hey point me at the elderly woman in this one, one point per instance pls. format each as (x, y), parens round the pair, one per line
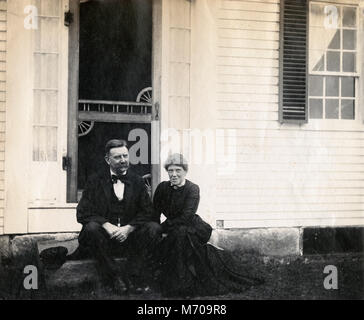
(190, 266)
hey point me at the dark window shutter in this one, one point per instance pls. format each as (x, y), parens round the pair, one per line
(293, 61)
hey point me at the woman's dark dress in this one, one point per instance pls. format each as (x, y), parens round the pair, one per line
(190, 266)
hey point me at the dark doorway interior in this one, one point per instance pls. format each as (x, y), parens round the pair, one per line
(115, 49)
(115, 65)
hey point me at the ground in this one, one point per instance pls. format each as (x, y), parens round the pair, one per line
(285, 278)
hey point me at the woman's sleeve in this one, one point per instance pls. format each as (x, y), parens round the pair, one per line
(189, 207)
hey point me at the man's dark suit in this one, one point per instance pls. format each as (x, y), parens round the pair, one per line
(99, 205)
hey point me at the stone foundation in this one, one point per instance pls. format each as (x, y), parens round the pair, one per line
(262, 241)
(268, 242)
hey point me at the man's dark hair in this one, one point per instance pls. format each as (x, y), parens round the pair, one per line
(115, 143)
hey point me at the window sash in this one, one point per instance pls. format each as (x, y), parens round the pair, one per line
(339, 74)
(341, 6)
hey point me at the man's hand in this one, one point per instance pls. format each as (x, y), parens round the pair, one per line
(118, 233)
(110, 228)
(122, 233)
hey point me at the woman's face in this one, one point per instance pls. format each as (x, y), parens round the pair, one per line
(176, 175)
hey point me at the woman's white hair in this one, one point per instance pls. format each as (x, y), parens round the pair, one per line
(176, 159)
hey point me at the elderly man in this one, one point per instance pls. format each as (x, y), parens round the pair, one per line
(117, 216)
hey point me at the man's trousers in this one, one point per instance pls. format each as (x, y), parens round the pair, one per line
(138, 248)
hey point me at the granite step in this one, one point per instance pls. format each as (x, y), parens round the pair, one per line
(75, 274)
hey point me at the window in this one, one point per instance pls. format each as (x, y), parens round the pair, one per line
(332, 61)
(319, 74)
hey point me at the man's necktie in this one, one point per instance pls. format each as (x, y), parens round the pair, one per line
(115, 178)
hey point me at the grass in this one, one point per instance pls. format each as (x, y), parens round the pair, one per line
(285, 278)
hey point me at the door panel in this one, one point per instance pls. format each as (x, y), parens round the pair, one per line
(49, 111)
(114, 66)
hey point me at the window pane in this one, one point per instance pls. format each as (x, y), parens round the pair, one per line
(46, 76)
(46, 37)
(332, 108)
(317, 15)
(347, 87)
(44, 144)
(45, 107)
(349, 39)
(316, 111)
(347, 109)
(333, 61)
(335, 42)
(349, 17)
(332, 86)
(320, 65)
(47, 7)
(349, 62)
(316, 86)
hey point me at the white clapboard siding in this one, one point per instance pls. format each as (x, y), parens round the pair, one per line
(243, 89)
(223, 106)
(299, 159)
(255, 1)
(296, 222)
(247, 43)
(246, 6)
(254, 194)
(3, 37)
(277, 209)
(295, 150)
(310, 213)
(253, 79)
(272, 125)
(247, 15)
(250, 115)
(247, 53)
(248, 34)
(292, 142)
(251, 70)
(246, 62)
(291, 133)
(269, 174)
(247, 25)
(298, 199)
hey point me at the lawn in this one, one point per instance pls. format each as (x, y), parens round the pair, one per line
(285, 278)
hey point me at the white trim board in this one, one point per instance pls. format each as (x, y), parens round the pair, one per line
(52, 220)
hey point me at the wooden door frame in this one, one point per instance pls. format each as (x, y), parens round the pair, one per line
(73, 85)
(73, 98)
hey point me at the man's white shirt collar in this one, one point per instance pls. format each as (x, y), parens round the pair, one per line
(118, 186)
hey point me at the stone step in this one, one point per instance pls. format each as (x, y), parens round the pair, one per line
(75, 274)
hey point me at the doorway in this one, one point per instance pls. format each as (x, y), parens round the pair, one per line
(114, 85)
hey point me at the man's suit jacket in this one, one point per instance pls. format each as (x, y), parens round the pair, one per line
(97, 198)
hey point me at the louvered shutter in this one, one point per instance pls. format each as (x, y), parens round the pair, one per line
(293, 61)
